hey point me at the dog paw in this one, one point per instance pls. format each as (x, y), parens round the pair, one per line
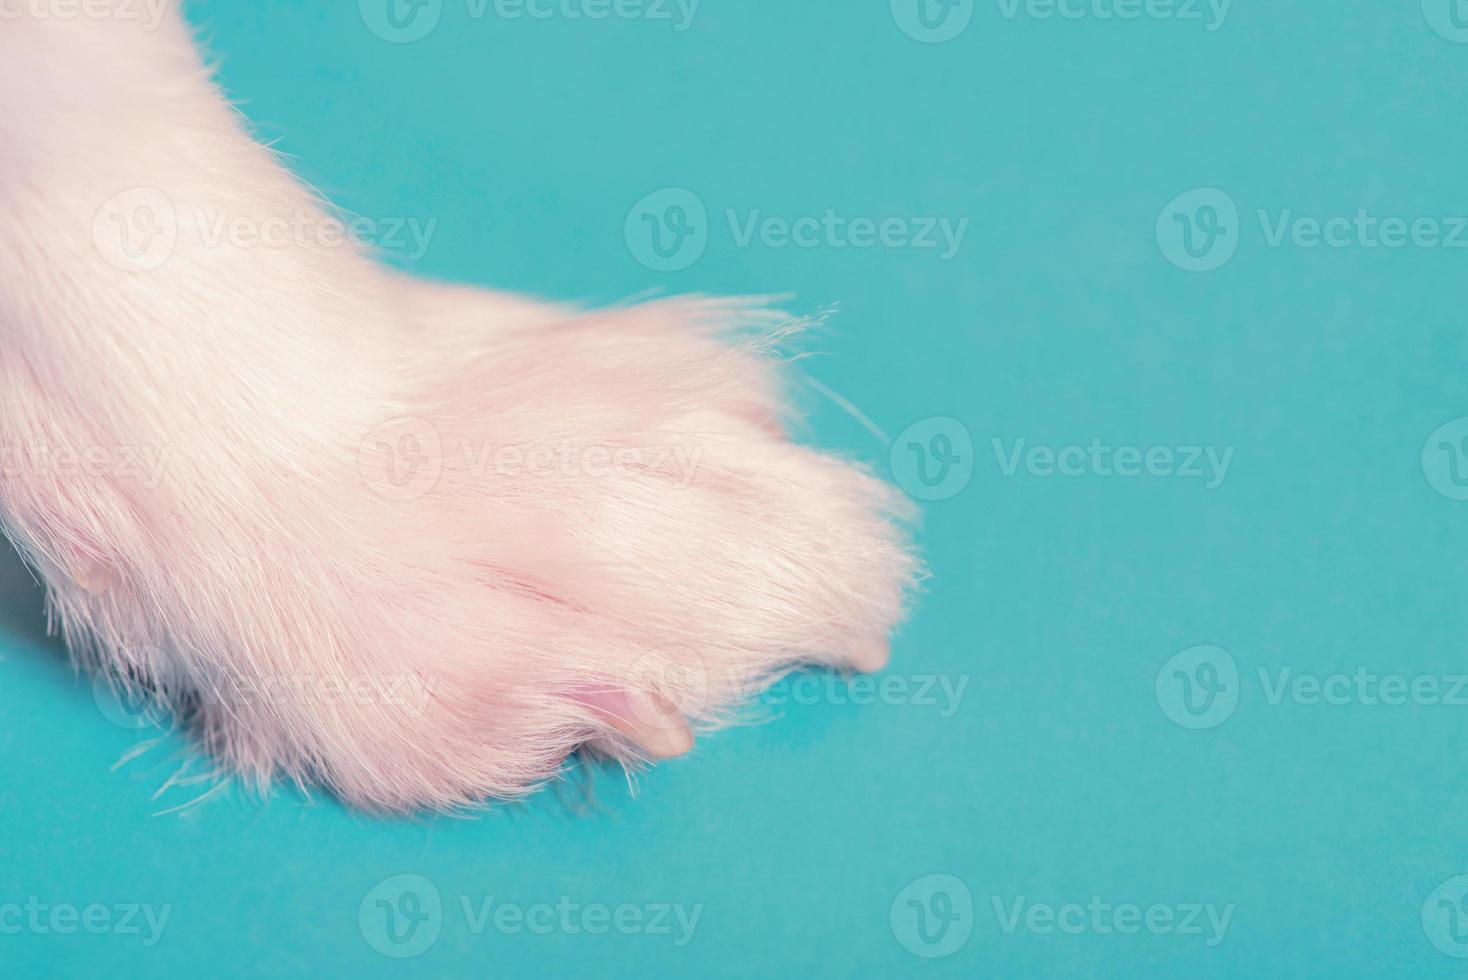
(590, 531)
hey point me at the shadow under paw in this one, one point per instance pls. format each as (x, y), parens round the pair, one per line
(22, 601)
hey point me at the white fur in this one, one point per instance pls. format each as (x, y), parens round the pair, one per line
(315, 603)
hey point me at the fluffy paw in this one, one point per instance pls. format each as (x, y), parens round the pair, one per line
(589, 531)
(624, 546)
(415, 543)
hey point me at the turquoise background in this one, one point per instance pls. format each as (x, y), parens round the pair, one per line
(1059, 599)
